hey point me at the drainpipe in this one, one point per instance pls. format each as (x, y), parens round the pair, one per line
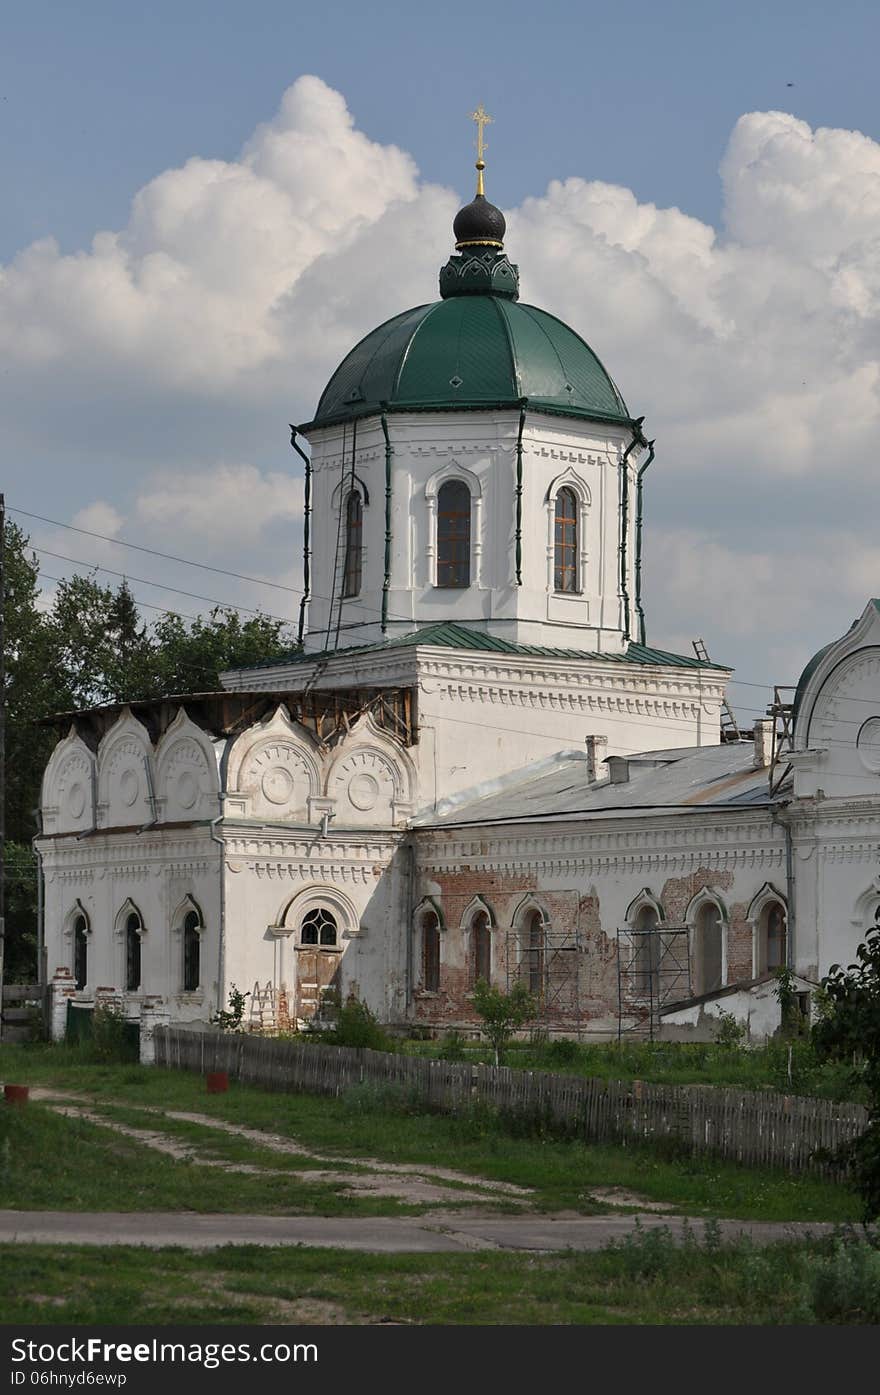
(151, 823)
(637, 440)
(41, 928)
(790, 922)
(386, 583)
(639, 611)
(518, 534)
(221, 949)
(307, 511)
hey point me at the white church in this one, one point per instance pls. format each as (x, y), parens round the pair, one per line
(474, 766)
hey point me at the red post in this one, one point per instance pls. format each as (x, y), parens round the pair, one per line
(217, 1082)
(15, 1094)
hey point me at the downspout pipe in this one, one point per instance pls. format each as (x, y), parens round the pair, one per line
(221, 947)
(41, 914)
(386, 582)
(639, 610)
(307, 556)
(519, 489)
(790, 894)
(637, 440)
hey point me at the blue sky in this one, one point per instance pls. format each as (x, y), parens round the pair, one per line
(695, 187)
(97, 97)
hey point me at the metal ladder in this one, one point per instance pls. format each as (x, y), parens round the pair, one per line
(729, 728)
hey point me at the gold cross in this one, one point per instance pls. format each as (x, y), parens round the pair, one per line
(482, 119)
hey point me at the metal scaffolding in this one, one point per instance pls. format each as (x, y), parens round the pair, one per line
(653, 971)
(550, 969)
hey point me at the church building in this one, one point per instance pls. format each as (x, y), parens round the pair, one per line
(474, 766)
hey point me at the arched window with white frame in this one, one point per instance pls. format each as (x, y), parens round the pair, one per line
(80, 931)
(192, 928)
(481, 947)
(707, 948)
(566, 562)
(454, 535)
(132, 931)
(646, 959)
(319, 928)
(354, 529)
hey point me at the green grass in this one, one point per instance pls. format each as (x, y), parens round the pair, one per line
(51, 1163)
(65, 1169)
(763, 1067)
(647, 1280)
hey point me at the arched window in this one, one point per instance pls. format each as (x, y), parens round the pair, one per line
(707, 967)
(773, 938)
(192, 948)
(431, 952)
(481, 947)
(80, 951)
(454, 534)
(565, 542)
(133, 929)
(536, 939)
(318, 928)
(646, 960)
(354, 520)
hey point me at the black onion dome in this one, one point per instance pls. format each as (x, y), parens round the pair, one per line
(479, 222)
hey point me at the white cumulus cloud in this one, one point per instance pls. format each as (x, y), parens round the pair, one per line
(177, 347)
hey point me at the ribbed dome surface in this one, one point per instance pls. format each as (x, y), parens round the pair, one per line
(471, 352)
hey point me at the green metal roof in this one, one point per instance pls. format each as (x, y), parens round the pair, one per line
(469, 352)
(452, 636)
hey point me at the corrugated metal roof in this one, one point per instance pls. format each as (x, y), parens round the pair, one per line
(704, 776)
(448, 635)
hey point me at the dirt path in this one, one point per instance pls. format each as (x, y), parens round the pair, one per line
(413, 1185)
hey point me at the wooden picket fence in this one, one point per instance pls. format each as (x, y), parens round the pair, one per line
(759, 1128)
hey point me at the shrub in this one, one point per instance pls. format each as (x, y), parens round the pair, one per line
(231, 1020)
(729, 1033)
(452, 1047)
(845, 1286)
(356, 1025)
(110, 1040)
(562, 1052)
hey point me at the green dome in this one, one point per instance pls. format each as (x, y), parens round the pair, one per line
(471, 351)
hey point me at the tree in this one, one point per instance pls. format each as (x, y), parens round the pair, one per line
(849, 1030)
(502, 1013)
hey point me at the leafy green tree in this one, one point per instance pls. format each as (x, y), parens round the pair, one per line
(190, 658)
(849, 1030)
(502, 1013)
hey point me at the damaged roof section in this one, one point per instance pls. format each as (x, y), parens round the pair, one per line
(683, 778)
(328, 714)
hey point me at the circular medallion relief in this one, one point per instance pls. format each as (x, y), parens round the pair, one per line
(129, 787)
(76, 800)
(363, 791)
(277, 785)
(187, 789)
(868, 744)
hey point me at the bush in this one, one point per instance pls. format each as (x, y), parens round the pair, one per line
(846, 1286)
(562, 1052)
(356, 1025)
(111, 1040)
(730, 1034)
(452, 1047)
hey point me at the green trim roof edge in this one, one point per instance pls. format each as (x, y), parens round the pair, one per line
(501, 404)
(448, 635)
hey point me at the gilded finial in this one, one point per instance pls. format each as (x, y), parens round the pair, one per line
(482, 119)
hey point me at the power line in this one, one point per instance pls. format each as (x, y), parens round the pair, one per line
(162, 585)
(166, 556)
